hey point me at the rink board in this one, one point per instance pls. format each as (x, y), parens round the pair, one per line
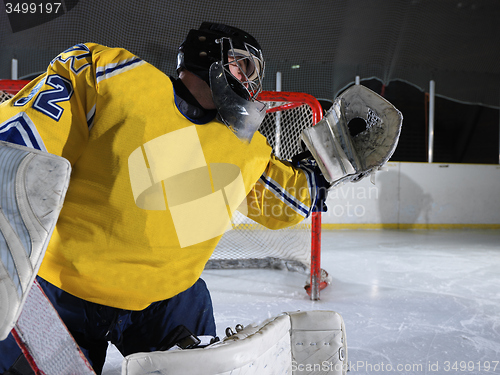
(419, 195)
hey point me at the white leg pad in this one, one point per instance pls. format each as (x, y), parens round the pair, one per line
(33, 185)
(318, 342)
(311, 342)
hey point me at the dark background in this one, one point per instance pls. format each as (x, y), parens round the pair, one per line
(396, 47)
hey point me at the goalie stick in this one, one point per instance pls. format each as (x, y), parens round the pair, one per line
(33, 185)
(45, 340)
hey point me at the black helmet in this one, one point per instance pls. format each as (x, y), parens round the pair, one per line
(209, 52)
(215, 42)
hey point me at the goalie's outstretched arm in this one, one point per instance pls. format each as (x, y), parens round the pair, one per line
(285, 195)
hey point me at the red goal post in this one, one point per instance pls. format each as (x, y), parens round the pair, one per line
(11, 86)
(283, 102)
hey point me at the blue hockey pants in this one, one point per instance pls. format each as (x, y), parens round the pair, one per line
(93, 325)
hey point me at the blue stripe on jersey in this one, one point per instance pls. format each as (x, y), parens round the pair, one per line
(78, 52)
(313, 186)
(111, 70)
(90, 118)
(283, 195)
(22, 131)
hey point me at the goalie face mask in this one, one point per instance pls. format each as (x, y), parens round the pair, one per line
(230, 61)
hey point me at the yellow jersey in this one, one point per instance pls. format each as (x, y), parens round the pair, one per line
(120, 239)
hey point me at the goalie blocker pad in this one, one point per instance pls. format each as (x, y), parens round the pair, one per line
(33, 185)
(291, 343)
(346, 154)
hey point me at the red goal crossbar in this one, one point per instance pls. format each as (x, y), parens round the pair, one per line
(11, 86)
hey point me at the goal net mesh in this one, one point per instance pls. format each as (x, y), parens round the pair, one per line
(251, 245)
(4, 96)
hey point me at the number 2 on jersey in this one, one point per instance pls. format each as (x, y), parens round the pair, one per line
(47, 100)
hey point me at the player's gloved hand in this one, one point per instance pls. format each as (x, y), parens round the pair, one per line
(318, 184)
(322, 193)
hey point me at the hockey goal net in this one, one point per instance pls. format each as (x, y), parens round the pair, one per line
(251, 245)
(297, 248)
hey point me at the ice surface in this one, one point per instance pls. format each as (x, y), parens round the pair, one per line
(413, 302)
